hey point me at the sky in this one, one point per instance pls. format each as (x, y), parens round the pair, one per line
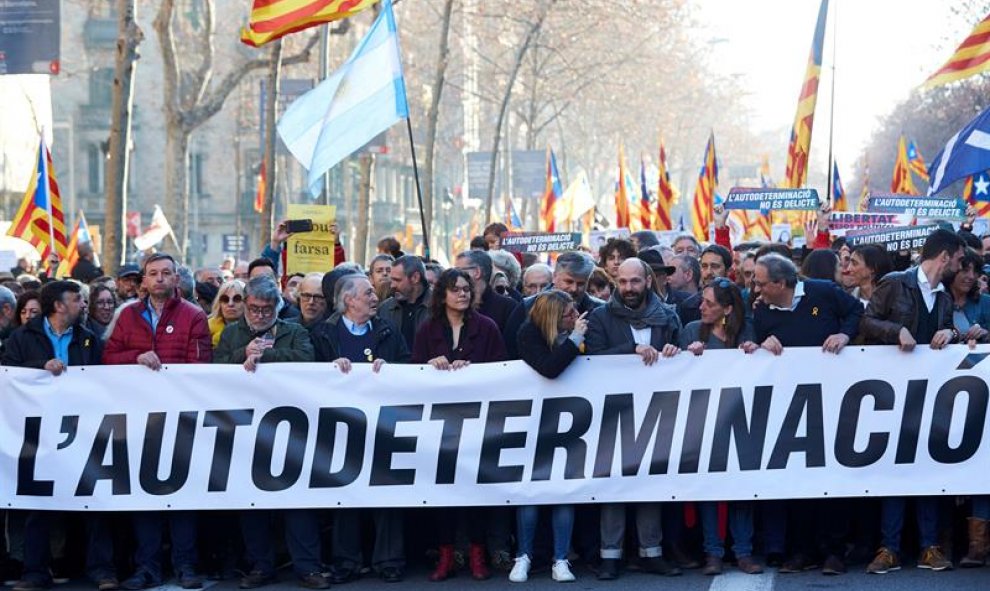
(884, 49)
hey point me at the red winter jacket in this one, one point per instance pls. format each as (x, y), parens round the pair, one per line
(182, 336)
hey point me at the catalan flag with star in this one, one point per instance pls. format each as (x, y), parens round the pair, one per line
(704, 193)
(976, 192)
(796, 171)
(273, 19)
(552, 193)
(970, 58)
(40, 219)
(901, 181)
(915, 162)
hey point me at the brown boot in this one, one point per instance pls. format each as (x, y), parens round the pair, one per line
(446, 566)
(977, 555)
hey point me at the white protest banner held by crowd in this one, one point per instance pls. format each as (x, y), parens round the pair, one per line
(723, 426)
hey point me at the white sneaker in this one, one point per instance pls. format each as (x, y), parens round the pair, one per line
(520, 570)
(562, 571)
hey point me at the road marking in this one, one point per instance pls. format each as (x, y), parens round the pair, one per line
(734, 580)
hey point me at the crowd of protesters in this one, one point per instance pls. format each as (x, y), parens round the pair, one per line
(633, 297)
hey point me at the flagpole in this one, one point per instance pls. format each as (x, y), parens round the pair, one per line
(48, 199)
(419, 191)
(831, 106)
(324, 74)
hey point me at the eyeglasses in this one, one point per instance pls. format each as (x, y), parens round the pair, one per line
(104, 303)
(304, 297)
(261, 310)
(570, 313)
(455, 289)
(226, 299)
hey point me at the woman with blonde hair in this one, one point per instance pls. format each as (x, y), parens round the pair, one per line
(549, 341)
(228, 307)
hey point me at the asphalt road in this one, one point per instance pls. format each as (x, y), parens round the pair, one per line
(907, 578)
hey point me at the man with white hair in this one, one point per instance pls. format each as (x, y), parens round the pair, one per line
(355, 334)
(537, 278)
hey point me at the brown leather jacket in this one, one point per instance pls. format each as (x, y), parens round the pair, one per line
(894, 305)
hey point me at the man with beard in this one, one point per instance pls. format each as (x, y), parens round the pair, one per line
(262, 337)
(409, 306)
(355, 334)
(53, 341)
(633, 321)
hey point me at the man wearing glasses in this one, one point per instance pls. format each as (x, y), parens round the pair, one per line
(312, 302)
(162, 328)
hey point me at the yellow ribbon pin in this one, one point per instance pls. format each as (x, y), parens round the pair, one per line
(814, 311)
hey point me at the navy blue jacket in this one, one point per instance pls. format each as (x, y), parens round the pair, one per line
(823, 311)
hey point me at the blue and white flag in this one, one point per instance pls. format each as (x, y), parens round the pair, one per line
(366, 96)
(966, 153)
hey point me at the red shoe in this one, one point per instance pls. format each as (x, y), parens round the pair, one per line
(446, 567)
(478, 563)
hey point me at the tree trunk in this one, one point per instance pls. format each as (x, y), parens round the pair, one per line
(129, 36)
(271, 172)
(176, 185)
(432, 120)
(531, 34)
(367, 162)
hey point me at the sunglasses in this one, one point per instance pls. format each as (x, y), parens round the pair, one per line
(501, 289)
(225, 299)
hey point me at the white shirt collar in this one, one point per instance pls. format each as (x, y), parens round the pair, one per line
(924, 284)
(354, 328)
(795, 299)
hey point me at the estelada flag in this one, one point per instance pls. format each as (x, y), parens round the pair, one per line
(901, 181)
(40, 218)
(971, 57)
(796, 172)
(704, 193)
(665, 194)
(273, 19)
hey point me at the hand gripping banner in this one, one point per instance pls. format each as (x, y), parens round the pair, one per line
(870, 421)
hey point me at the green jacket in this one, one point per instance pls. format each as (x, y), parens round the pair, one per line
(291, 344)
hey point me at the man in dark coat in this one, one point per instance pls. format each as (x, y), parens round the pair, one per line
(54, 341)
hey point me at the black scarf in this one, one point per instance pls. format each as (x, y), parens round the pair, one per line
(650, 314)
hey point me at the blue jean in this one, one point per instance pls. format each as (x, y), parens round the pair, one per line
(562, 520)
(740, 524)
(981, 507)
(892, 521)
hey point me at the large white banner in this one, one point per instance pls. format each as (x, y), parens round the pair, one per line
(866, 422)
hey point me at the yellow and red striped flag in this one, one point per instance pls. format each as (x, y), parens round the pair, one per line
(273, 19)
(259, 190)
(796, 172)
(40, 219)
(552, 193)
(864, 194)
(901, 181)
(80, 234)
(622, 219)
(971, 57)
(976, 192)
(764, 220)
(665, 194)
(916, 162)
(704, 193)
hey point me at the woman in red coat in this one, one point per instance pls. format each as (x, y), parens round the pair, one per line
(455, 336)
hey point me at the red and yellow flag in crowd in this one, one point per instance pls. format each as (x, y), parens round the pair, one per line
(971, 57)
(839, 201)
(864, 194)
(259, 190)
(662, 219)
(704, 193)
(622, 218)
(916, 162)
(80, 234)
(796, 172)
(273, 19)
(901, 181)
(552, 193)
(40, 219)
(976, 192)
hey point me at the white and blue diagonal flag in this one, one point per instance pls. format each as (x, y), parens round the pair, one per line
(965, 154)
(366, 96)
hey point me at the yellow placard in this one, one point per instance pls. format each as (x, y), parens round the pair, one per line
(311, 251)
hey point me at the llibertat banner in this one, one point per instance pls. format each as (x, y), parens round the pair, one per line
(870, 421)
